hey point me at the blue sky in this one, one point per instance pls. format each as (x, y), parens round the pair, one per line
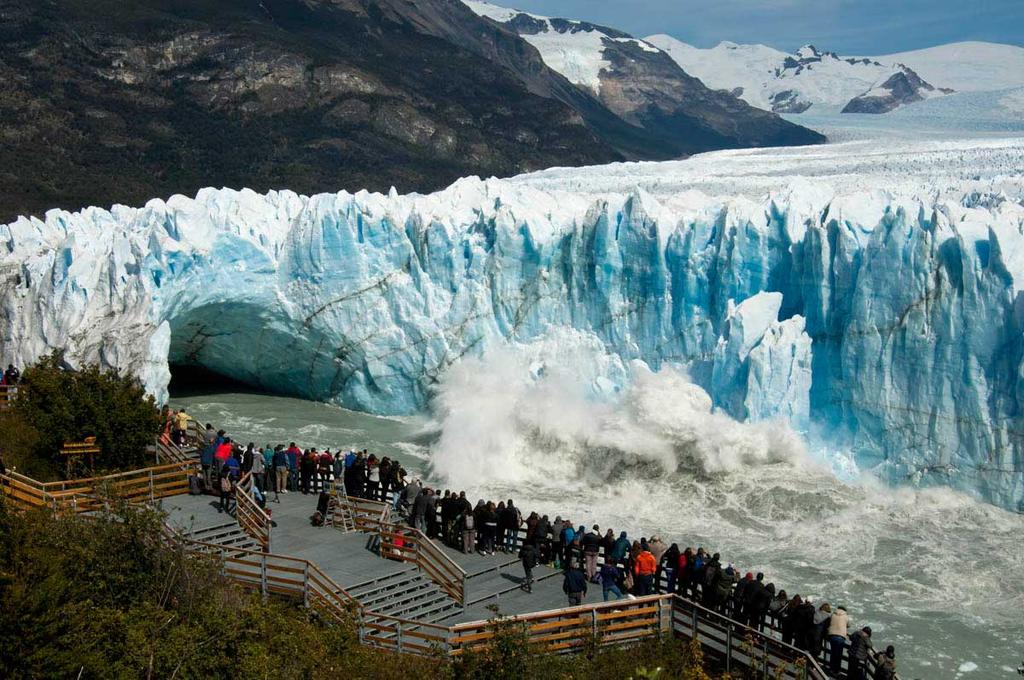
(845, 26)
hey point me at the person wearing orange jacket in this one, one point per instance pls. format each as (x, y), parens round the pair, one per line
(644, 568)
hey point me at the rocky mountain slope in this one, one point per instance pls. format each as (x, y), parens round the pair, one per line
(793, 83)
(107, 101)
(112, 102)
(642, 85)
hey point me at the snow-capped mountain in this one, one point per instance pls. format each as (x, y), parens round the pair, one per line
(793, 83)
(966, 66)
(643, 86)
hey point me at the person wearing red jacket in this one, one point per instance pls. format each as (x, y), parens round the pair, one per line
(644, 568)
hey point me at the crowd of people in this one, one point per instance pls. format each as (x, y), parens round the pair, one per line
(619, 566)
(10, 377)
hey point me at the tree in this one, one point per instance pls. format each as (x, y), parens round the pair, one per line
(61, 404)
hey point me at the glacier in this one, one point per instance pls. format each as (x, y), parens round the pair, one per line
(869, 296)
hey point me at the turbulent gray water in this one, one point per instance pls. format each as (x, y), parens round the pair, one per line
(935, 573)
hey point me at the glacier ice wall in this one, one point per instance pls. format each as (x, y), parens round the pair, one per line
(891, 320)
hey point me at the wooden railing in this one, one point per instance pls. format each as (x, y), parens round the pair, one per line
(85, 494)
(403, 635)
(367, 515)
(7, 395)
(279, 575)
(408, 544)
(250, 516)
(563, 630)
(732, 644)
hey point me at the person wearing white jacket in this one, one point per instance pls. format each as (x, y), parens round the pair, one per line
(837, 639)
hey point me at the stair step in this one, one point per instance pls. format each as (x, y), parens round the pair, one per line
(387, 583)
(421, 606)
(401, 598)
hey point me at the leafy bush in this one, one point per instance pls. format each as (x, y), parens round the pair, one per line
(55, 404)
(105, 597)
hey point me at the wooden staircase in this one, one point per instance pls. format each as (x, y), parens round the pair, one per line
(228, 535)
(408, 594)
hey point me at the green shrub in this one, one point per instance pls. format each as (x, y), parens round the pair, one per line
(55, 404)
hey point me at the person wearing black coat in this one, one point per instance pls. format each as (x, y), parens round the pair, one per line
(759, 597)
(803, 625)
(712, 573)
(528, 556)
(574, 585)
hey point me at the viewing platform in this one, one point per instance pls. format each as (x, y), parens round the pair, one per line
(402, 590)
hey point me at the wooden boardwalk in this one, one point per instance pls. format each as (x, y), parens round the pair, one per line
(419, 597)
(350, 558)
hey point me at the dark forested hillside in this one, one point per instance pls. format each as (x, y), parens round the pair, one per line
(110, 101)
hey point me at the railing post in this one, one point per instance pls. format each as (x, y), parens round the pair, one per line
(764, 659)
(305, 584)
(463, 599)
(263, 575)
(593, 622)
(398, 635)
(728, 650)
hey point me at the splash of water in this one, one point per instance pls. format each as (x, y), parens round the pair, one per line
(562, 408)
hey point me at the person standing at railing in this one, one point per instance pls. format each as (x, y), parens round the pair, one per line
(509, 522)
(885, 664)
(591, 544)
(325, 466)
(307, 469)
(384, 474)
(258, 469)
(372, 477)
(644, 569)
(209, 444)
(281, 471)
(293, 454)
(181, 420)
(269, 473)
(227, 486)
(837, 639)
(12, 376)
(860, 650)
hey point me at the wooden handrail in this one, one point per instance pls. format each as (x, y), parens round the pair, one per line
(250, 516)
(431, 560)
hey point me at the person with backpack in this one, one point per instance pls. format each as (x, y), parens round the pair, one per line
(257, 469)
(227, 486)
(468, 530)
(885, 664)
(610, 580)
(723, 588)
(860, 651)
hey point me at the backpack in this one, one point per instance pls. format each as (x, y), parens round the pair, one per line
(194, 486)
(225, 484)
(710, 573)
